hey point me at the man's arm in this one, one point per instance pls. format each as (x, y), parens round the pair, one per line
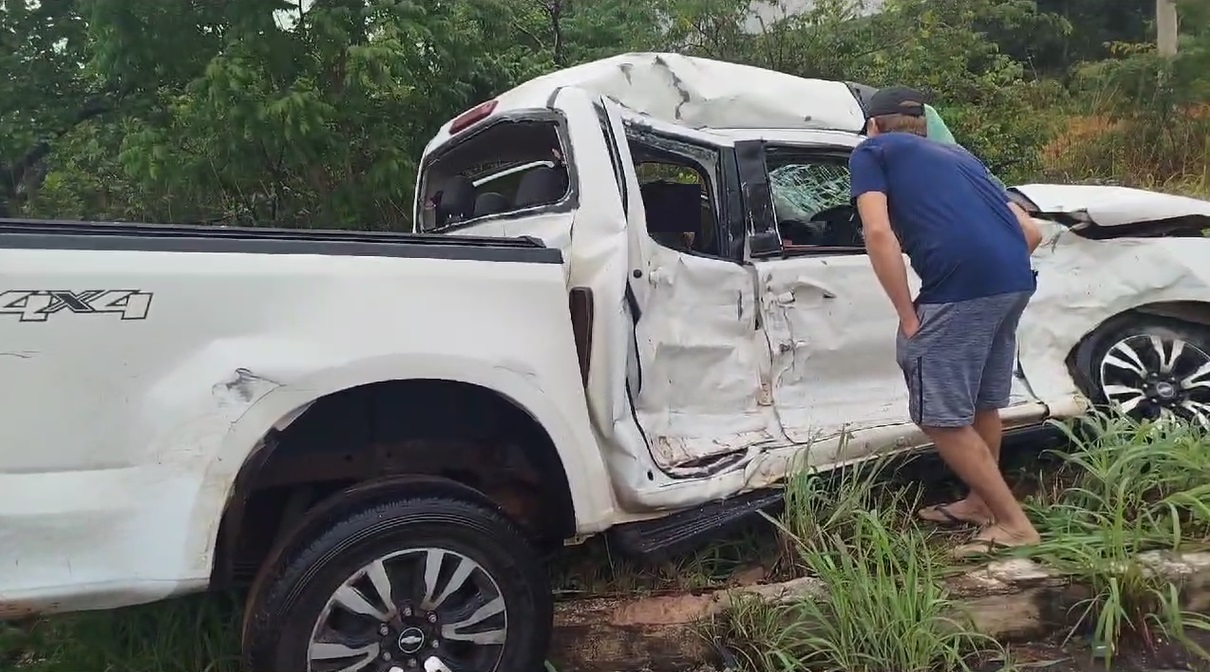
(885, 254)
(869, 188)
(1033, 236)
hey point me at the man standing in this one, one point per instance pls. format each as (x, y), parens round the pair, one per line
(957, 340)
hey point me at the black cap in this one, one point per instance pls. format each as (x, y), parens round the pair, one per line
(896, 100)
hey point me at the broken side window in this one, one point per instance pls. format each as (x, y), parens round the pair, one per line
(811, 200)
(510, 166)
(679, 188)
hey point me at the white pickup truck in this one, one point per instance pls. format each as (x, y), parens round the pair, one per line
(636, 298)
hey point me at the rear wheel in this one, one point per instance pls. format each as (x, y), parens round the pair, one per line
(1152, 368)
(417, 584)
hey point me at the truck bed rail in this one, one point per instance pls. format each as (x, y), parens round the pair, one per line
(77, 235)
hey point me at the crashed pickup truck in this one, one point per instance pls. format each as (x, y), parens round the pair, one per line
(635, 299)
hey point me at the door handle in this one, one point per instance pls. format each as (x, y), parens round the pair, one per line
(823, 289)
(787, 298)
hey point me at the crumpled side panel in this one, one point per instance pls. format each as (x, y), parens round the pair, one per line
(701, 360)
(1082, 283)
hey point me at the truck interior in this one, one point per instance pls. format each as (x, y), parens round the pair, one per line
(512, 165)
(811, 201)
(678, 202)
(680, 189)
(517, 165)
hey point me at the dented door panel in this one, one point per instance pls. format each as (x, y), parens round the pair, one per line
(832, 340)
(831, 327)
(698, 358)
(701, 357)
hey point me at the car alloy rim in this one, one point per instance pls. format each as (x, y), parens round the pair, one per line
(1154, 377)
(421, 608)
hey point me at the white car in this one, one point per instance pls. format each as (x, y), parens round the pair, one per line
(645, 302)
(774, 304)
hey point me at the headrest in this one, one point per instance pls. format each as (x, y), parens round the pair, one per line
(490, 203)
(541, 186)
(455, 201)
(672, 207)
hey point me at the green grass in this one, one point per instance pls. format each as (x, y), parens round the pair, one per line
(196, 634)
(1125, 489)
(1130, 487)
(858, 537)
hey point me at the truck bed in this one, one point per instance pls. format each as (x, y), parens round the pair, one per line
(76, 235)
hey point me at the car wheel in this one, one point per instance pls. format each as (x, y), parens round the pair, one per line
(1152, 368)
(416, 584)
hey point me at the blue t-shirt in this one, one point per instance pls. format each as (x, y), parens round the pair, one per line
(951, 219)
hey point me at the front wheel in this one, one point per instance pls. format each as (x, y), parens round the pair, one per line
(1153, 368)
(418, 584)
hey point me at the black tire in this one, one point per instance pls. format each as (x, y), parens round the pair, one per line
(297, 591)
(1135, 331)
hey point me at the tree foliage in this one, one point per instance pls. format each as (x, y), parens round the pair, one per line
(315, 112)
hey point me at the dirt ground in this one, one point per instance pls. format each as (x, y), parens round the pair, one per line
(1077, 657)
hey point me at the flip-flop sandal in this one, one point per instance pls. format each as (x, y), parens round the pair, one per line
(986, 548)
(947, 517)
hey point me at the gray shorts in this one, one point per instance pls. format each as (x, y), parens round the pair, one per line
(963, 358)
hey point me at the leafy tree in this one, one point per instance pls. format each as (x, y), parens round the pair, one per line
(46, 92)
(315, 112)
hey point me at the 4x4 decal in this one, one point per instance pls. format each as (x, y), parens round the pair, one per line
(39, 304)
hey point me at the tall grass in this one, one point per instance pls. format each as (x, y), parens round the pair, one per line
(1123, 488)
(886, 608)
(1131, 487)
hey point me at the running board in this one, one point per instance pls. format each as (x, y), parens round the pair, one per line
(686, 531)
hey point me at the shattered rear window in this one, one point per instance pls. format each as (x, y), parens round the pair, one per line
(802, 190)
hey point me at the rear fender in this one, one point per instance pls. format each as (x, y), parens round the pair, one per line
(562, 413)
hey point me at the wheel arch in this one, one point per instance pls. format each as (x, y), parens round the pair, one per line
(567, 469)
(1079, 359)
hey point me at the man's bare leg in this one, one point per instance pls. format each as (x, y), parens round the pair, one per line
(964, 451)
(972, 508)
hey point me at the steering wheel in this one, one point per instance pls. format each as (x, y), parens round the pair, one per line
(839, 214)
(842, 224)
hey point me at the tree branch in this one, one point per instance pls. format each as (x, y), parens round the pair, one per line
(13, 174)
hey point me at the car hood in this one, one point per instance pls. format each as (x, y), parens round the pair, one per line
(705, 93)
(1098, 211)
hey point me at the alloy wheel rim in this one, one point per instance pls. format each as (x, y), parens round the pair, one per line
(1156, 377)
(415, 609)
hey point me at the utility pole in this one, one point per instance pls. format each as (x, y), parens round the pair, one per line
(1165, 27)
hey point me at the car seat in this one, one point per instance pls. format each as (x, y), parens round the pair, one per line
(541, 186)
(672, 209)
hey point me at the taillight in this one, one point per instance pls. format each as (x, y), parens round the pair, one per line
(472, 116)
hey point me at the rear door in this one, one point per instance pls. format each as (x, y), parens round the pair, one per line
(696, 361)
(675, 369)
